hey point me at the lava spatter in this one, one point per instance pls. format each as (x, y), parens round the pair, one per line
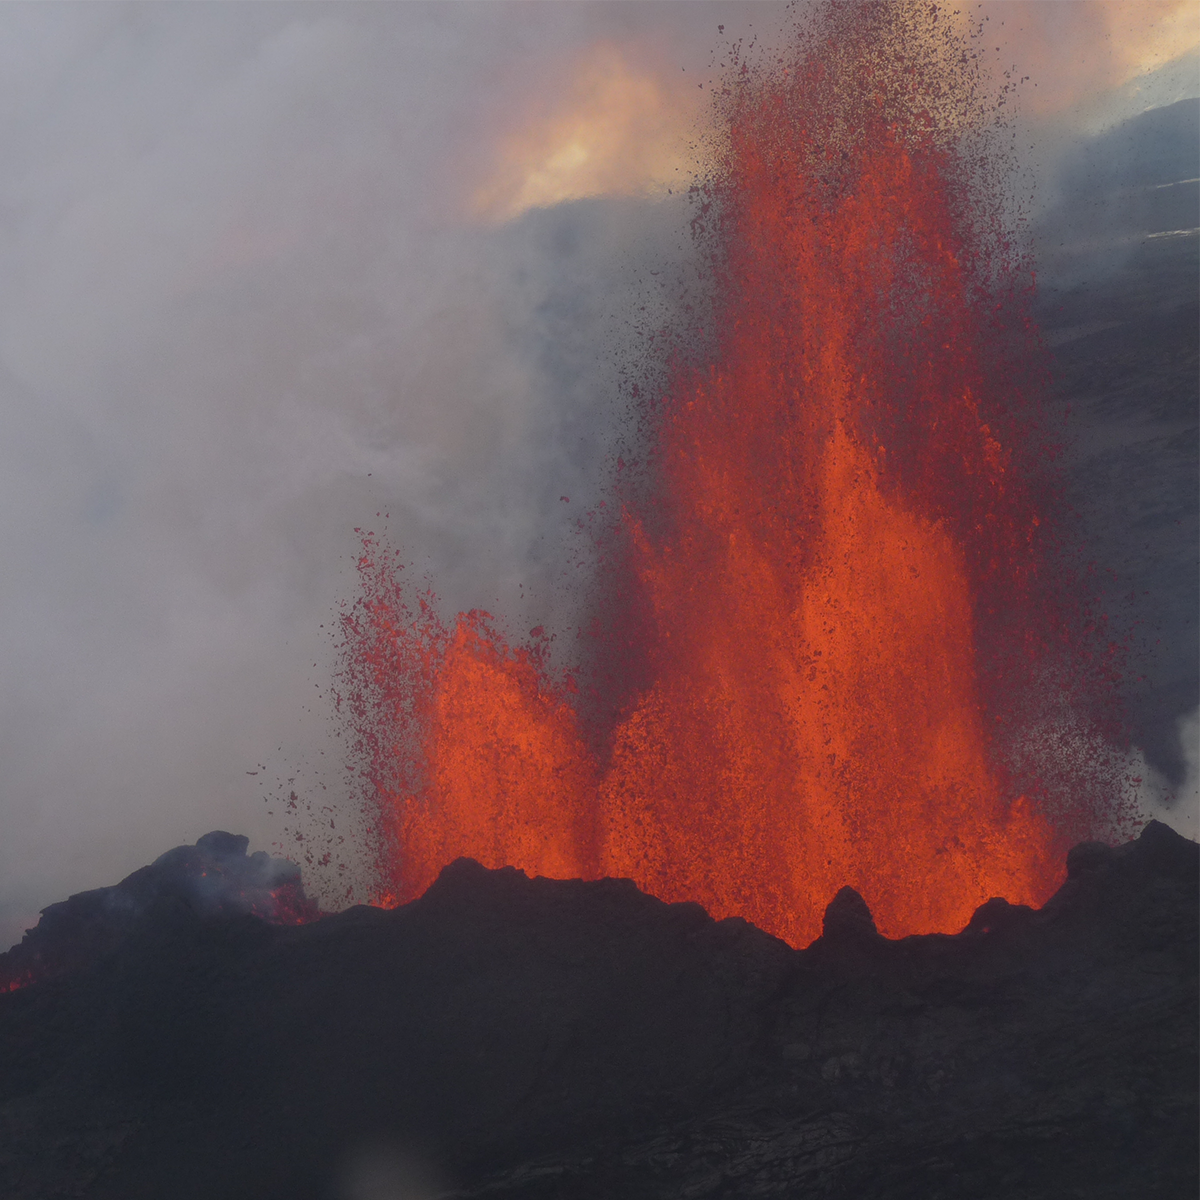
(840, 554)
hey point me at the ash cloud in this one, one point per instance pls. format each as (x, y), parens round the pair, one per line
(244, 309)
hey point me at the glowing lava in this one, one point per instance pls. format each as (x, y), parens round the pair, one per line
(836, 566)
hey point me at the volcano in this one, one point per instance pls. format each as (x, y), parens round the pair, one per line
(789, 882)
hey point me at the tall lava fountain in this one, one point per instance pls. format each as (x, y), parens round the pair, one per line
(833, 574)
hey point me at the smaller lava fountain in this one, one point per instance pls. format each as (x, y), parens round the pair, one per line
(836, 574)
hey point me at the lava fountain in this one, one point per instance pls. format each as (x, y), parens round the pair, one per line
(836, 573)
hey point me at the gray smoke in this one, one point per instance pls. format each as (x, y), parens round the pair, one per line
(240, 315)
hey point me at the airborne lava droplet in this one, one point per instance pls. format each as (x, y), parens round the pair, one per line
(836, 580)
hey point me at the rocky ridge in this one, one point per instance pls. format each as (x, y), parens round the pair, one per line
(526, 1038)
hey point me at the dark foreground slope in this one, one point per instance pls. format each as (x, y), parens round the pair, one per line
(507, 1037)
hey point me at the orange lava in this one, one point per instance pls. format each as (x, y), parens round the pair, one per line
(836, 505)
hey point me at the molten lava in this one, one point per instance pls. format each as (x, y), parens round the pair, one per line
(834, 576)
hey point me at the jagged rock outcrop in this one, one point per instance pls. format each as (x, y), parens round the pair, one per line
(215, 877)
(517, 1038)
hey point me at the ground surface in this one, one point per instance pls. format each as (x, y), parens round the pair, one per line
(525, 1038)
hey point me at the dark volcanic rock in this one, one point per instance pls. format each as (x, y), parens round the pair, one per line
(848, 919)
(215, 877)
(531, 1038)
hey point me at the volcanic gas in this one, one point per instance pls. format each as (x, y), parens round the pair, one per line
(838, 573)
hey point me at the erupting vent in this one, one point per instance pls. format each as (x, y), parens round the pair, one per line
(832, 575)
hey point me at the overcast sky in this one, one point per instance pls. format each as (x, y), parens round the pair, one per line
(269, 270)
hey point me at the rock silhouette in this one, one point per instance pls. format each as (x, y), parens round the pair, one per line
(215, 877)
(512, 1037)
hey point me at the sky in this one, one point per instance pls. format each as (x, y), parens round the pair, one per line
(272, 270)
